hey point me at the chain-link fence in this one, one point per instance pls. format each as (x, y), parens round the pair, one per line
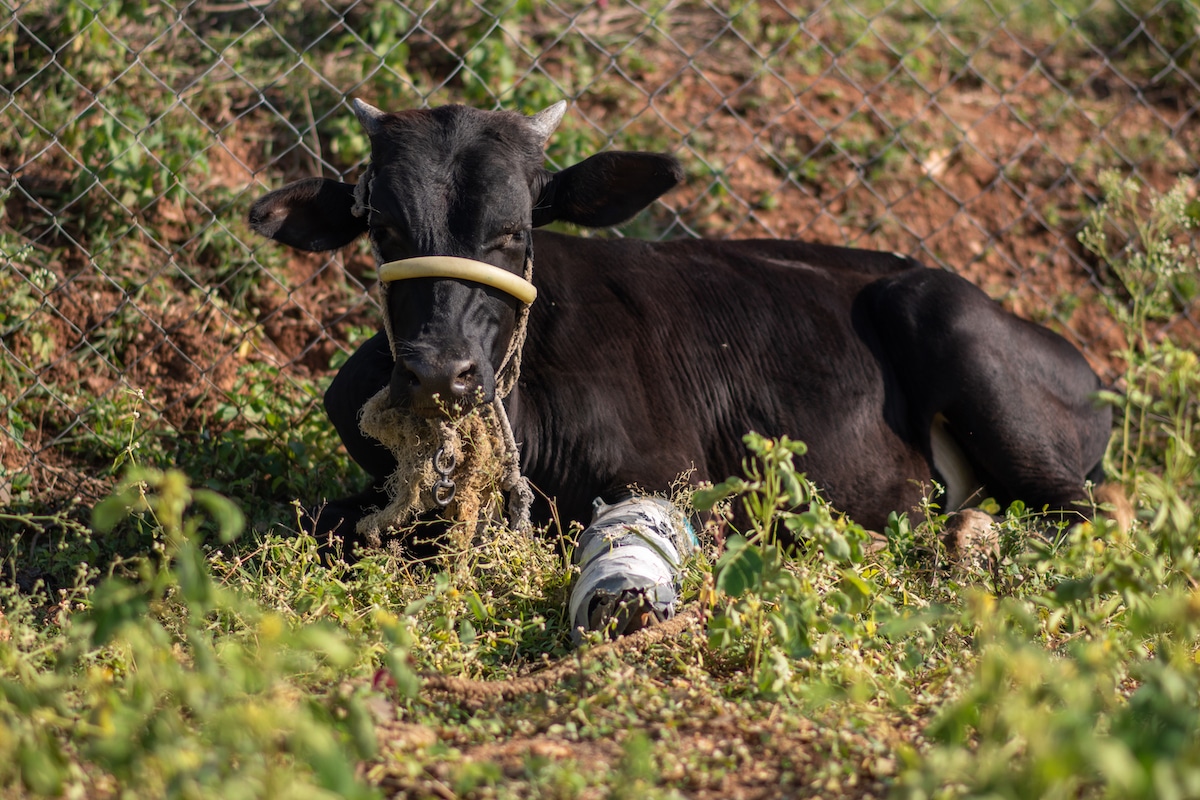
(140, 319)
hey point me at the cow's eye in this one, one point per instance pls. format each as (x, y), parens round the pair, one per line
(508, 239)
(387, 236)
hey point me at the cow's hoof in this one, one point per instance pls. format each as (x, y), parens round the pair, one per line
(630, 559)
(334, 524)
(971, 539)
(624, 613)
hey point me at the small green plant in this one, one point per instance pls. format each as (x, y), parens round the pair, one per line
(1112, 714)
(1145, 245)
(25, 331)
(1144, 242)
(793, 584)
(167, 684)
(157, 659)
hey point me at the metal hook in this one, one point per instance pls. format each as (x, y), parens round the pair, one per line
(449, 459)
(443, 492)
(444, 464)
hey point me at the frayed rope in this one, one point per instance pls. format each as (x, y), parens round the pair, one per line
(478, 693)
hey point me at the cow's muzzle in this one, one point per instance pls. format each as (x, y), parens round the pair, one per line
(436, 386)
(443, 388)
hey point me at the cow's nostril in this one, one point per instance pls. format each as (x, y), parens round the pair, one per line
(466, 380)
(440, 387)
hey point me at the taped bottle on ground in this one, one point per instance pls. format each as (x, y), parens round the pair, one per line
(629, 560)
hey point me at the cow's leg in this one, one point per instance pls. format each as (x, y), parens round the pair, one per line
(362, 376)
(1017, 399)
(1029, 438)
(366, 372)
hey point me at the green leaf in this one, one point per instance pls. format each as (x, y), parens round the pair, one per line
(837, 549)
(362, 729)
(793, 487)
(114, 508)
(477, 606)
(417, 606)
(329, 642)
(466, 632)
(42, 766)
(408, 683)
(1113, 760)
(1075, 590)
(723, 630)
(330, 763)
(706, 499)
(229, 518)
(18, 696)
(857, 590)
(638, 759)
(740, 567)
(191, 569)
(114, 604)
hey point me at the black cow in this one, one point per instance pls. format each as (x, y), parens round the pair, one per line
(645, 359)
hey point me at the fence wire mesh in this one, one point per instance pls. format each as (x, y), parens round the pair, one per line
(142, 321)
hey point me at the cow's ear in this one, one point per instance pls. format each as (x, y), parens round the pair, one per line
(313, 214)
(606, 189)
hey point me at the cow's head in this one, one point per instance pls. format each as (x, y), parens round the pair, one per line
(457, 181)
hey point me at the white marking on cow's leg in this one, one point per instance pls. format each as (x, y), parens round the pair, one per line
(962, 485)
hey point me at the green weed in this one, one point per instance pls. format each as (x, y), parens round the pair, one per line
(145, 653)
(111, 706)
(1145, 246)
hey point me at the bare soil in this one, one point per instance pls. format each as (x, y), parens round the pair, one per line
(973, 170)
(987, 169)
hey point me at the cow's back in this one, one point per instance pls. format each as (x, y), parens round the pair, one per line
(646, 359)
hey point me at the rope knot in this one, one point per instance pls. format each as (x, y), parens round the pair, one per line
(362, 192)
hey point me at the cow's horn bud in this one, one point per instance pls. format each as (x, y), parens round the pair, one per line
(370, 117)
(544, 122)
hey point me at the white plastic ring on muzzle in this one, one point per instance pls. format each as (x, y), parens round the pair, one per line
(465, 269)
